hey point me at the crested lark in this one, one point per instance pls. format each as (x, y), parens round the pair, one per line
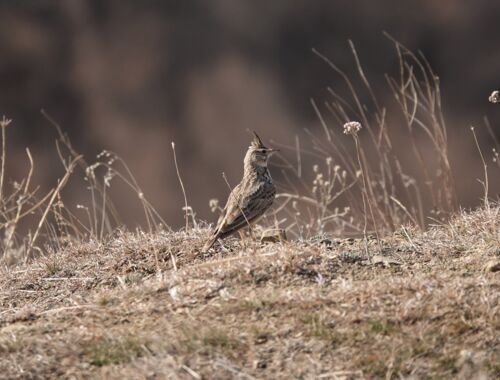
(250, 198)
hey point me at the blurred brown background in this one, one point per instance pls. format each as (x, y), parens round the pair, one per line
(132, 76)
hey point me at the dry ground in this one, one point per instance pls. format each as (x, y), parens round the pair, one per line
(148, 306)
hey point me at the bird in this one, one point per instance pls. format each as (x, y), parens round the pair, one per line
(251, 198)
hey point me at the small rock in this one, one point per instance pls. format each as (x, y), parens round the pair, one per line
(261, 338)
(260, 364)
(349, 241)
(323, 239)
(471, 366)
(492, 266)
(350, 257)
(173, 293)
(328, 243)
(273, 236)
(385, 261)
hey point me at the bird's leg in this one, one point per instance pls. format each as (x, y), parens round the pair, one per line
(250, 231)
(242, 239)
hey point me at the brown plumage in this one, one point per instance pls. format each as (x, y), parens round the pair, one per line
(250, 199)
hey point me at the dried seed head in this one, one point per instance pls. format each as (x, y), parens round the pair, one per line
(352, 128)
(494, 97)
(5, 122)
(213, 204)
(108, 177)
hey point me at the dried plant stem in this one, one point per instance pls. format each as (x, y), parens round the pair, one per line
(56, 191)
(20, 203)
(103, 212)
(410, 216)
(182, 187)
(485, 168)
(323, 124)
(3, 125)
(365, 195)
(93, 184)
(299, 158)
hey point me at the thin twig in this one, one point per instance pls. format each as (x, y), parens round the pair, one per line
(182, 186)
(59, 187)
(485, 167)
(3, 125)
(67, 308)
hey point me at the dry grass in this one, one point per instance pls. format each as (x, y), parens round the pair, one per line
(427, 309)
(82, 297)
(393, 171)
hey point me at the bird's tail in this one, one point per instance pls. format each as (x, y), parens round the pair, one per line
(210, 242)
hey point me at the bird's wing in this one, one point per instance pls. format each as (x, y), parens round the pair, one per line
(239, 212)
(231, 200)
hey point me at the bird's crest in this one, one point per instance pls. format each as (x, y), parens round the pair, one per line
(257, 142)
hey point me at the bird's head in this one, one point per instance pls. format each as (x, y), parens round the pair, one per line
(258, 154)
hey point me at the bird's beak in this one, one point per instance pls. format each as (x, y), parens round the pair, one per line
(271, 150)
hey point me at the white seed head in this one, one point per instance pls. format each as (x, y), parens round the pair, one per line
(352, 128)
(494, 97)
(213, 204)
(108, 177)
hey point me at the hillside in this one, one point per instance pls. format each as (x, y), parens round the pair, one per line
(149, 306)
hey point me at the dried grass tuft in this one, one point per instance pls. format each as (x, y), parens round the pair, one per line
(285, 309)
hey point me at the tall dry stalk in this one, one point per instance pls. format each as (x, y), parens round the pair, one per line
(4, 123)
(56, 192)
(49, 223)
(485, 183)
(388, 194)
(186, 207)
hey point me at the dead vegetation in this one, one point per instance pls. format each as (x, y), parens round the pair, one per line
(83, 297)
(380, 186)
(148, 306)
